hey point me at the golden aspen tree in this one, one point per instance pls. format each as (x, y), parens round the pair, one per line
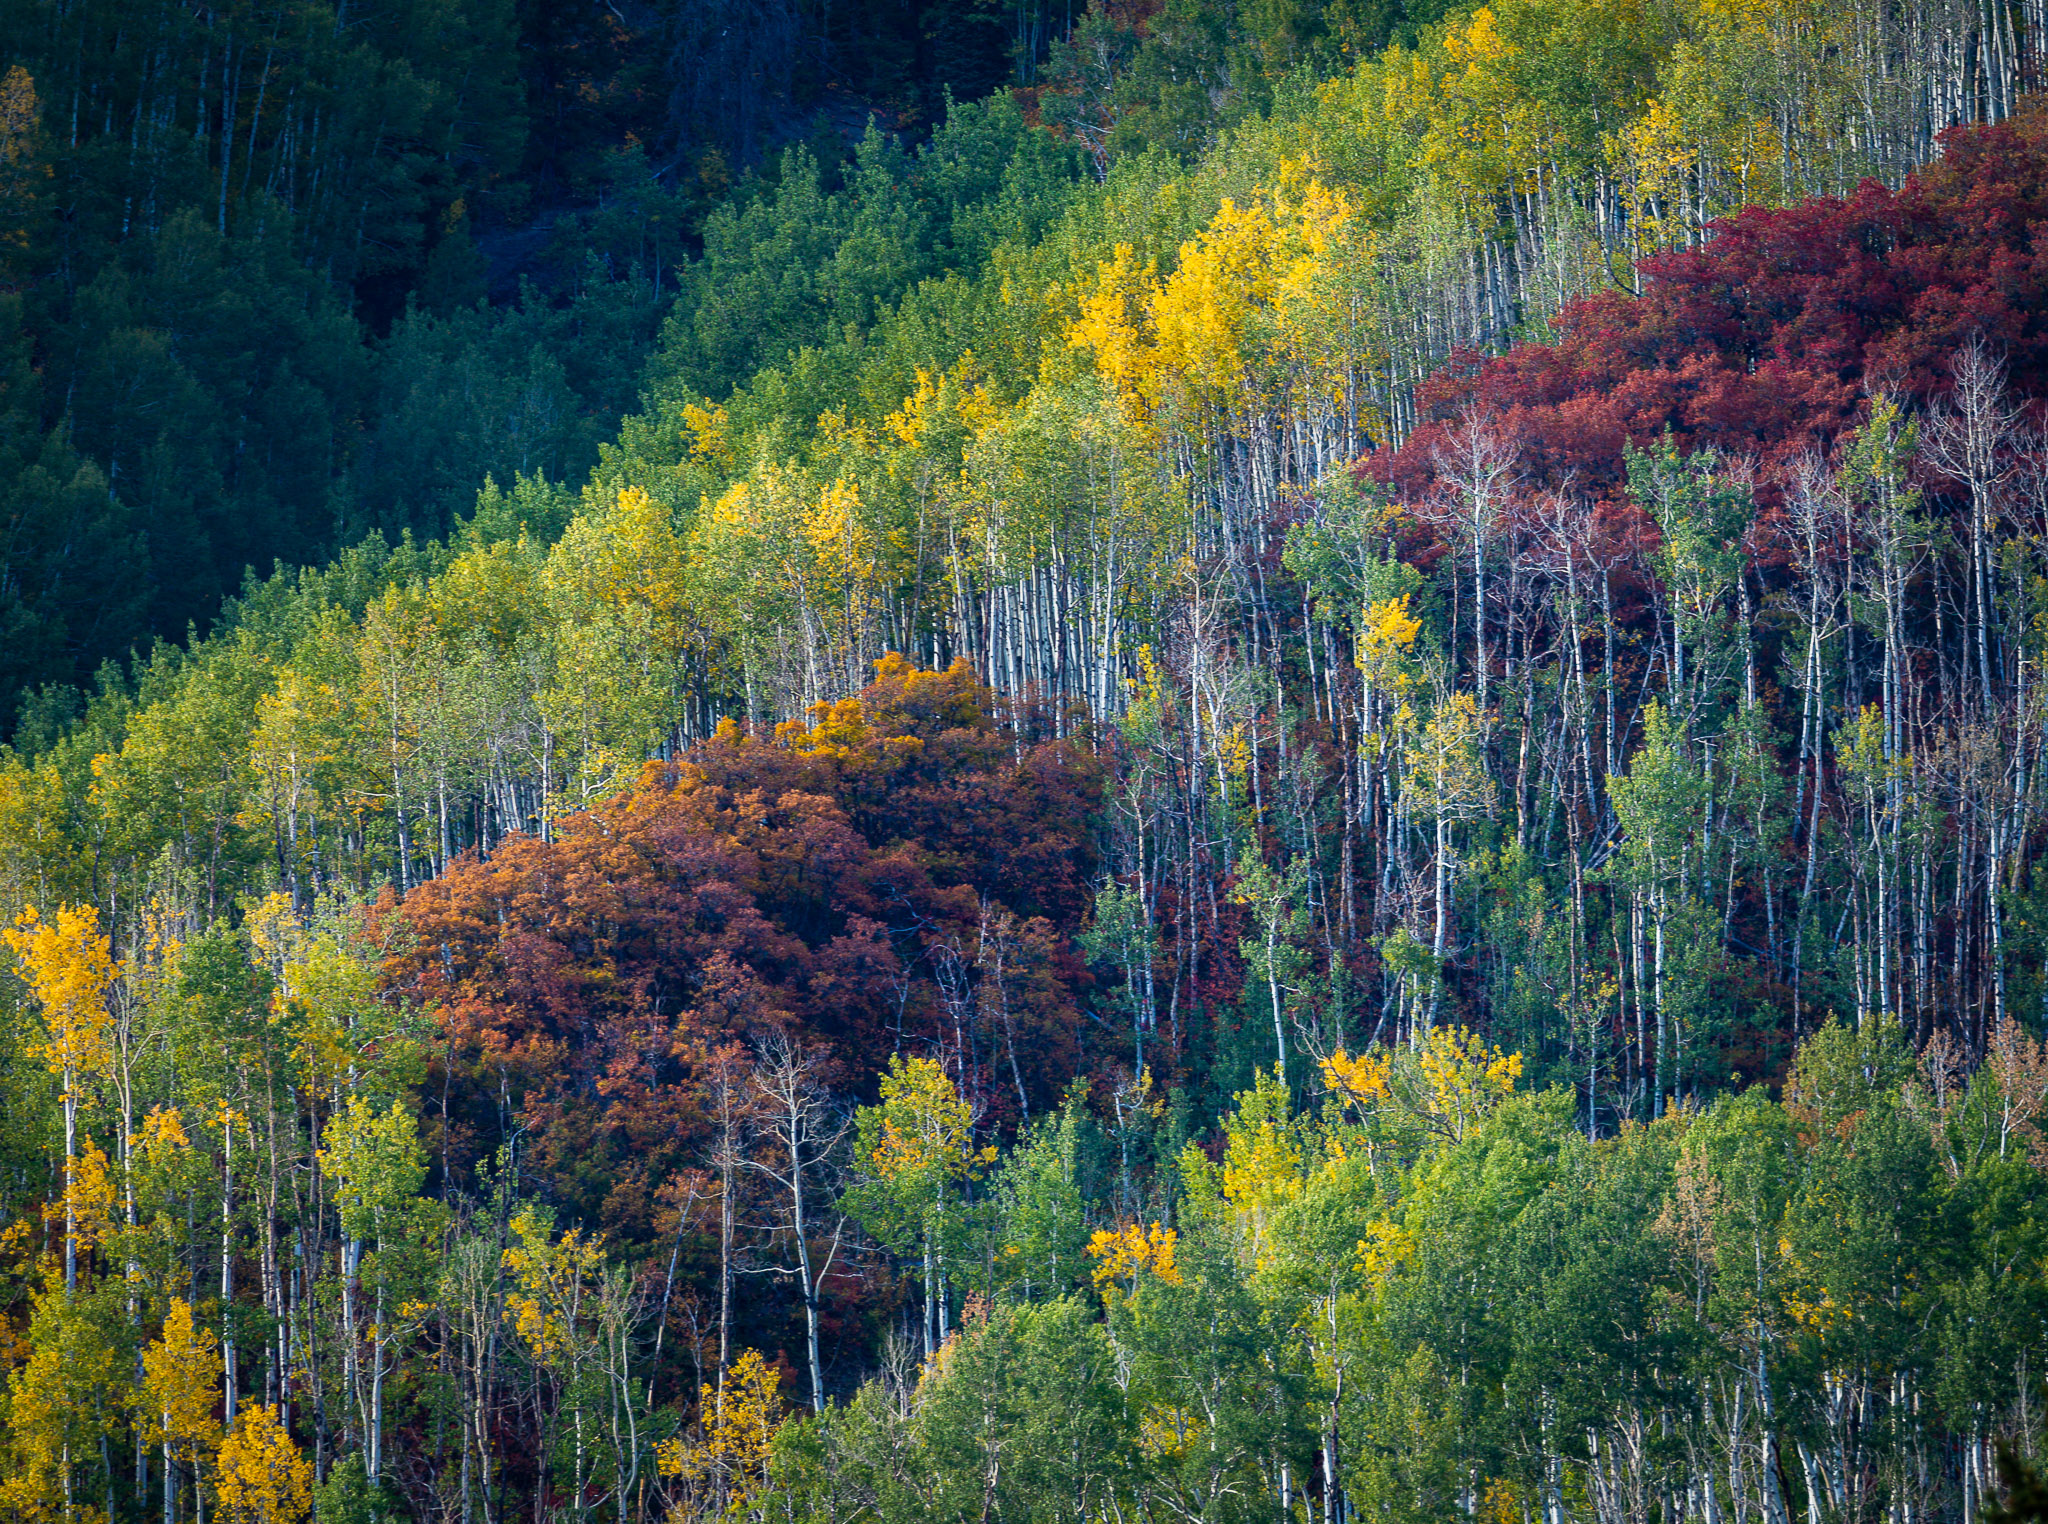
(1263, 1159)
(1386, 636)
(729, 1467)
(1110, 323)
(1202, 314)
(59, 1408)
(1464, 1079)
(1122, 1254)
(89, 1196)
(264, 1477)
(797, 564)
(1657, 158)
(176, 1403)
(620, 552)
(1360, 1082)
(69, 967)
(572, 1310)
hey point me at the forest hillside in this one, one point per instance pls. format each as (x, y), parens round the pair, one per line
(1180, 762)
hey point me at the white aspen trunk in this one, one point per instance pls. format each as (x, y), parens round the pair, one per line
(375, 1465)
(227, 1270)
(70, 1181)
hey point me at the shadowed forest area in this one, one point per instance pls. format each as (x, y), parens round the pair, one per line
(1180, 761)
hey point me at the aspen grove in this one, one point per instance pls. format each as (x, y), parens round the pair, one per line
(1295, 768)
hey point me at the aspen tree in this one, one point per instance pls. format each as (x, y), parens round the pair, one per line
(70, 970)
(263, 1477)
(182, 1372)
(1447, 779)
(799, 1118)
(377, 1168)
(917, 1149)
(1658, 805)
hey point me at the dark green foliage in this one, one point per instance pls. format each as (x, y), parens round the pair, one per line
(2026, 1494)
(242, 259)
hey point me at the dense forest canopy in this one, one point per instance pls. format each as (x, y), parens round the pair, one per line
(1177, 761)
(243, 247)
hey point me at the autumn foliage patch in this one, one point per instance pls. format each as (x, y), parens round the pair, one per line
(832, 880)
